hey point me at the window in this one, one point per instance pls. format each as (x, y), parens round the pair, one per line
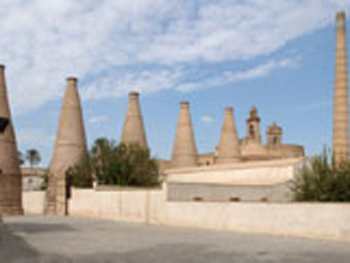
(235, 199)
(275, 140)
(251, 131)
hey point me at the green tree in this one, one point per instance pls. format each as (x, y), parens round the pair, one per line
(81, 175)
(320, 181)
(33, 157)
(124, 165)
(21, 159)
(136, 167)
(103, 160)
(99, 162)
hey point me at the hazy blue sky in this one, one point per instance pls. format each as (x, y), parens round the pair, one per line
(277, 55)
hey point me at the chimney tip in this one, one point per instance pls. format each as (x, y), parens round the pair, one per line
(184, 104)
(72, 79)
(341, 15)
(228, 109)
(133, 94)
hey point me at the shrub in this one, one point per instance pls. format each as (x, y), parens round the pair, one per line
(320, 181)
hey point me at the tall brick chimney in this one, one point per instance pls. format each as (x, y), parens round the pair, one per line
(340, 121)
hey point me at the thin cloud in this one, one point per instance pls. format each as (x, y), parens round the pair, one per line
(207, 119)
(42, 42)
(98, 119)
(262, 70)
(145, 81)
(311, 107)
(229, 77)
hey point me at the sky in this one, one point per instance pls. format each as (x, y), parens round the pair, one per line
(276, 55)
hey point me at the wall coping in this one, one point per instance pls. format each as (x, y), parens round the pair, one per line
(236, 166)
(109, 188)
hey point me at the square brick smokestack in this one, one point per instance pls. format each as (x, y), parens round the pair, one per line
(340, 118)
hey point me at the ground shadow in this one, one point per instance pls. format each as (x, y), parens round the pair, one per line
(13, 248)
(201, 253)
(189, 248)
(177, 253)
(32, 228)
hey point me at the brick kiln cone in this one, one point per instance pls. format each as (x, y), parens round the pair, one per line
(133, 129)
(184, 150)
(70, 148)
(228, 148)
(10, 173)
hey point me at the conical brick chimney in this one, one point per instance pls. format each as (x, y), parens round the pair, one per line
(70, 148)
(134, 130)
(10, 173)
(185, 150)
(340, 121)
(228, 148)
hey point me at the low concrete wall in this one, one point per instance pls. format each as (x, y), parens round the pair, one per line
(244, 181)
(33, 202)
(184, 192)
(124, 205)
(321, 221)
(258, 173)
(312, 220)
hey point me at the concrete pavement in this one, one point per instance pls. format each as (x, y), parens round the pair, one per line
(54, 239)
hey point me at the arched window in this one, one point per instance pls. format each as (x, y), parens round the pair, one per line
(275, 140)
(251, 131)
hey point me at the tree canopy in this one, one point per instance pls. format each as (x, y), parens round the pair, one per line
(319, 180)
(33, 157)
(111, 164)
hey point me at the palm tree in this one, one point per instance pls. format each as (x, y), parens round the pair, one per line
(21, 159)
(33, 157)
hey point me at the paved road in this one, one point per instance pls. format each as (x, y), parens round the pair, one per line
(49, 239)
